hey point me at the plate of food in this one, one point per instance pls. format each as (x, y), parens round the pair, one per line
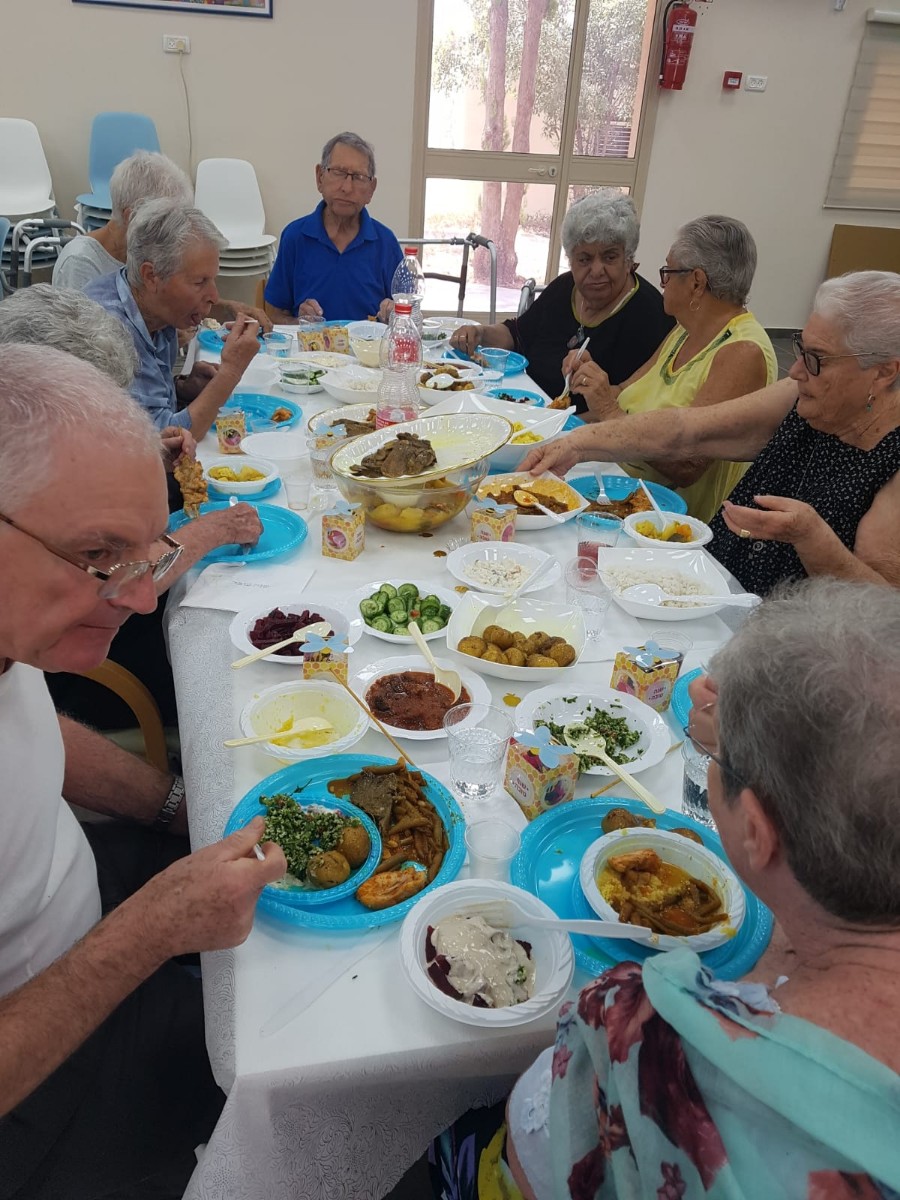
(356, 420)
(244, 476)
(352, 384)
(518, 396)
(305, 719)
(525, 492)
(528, 970)
(548, 865)
(262, 625)
(263, 413)
(437, 383)
(302, 378)
(671, 529)
(391, 795)
(401, 692)
(212, 337)
(625, 495)
(637, 737)
(684, 572)
(387, 608)
(526, 640)
(500, 567)
(282, 532)
(331, 360)
(515, 363)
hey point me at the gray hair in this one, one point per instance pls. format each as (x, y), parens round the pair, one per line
(355, 142)
(865, 306)
(147, 175)
(808, 718)
(607, 216)
(48, 397)
(724, 249)
(160, 233)
(44, 315)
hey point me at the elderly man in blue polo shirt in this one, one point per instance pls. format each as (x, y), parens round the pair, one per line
(167, 284)
(337, 262)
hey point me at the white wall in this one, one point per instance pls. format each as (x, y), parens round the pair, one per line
(273, 91)
(763, 157)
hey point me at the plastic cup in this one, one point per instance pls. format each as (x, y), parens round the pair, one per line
(495, 361)
(671, 641)
(586, 589)
(694, 796)
(477, 739)
(279, 345)
(492, 845)
(597, 532)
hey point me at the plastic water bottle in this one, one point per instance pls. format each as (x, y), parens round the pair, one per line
(401, 361)
(408, 284)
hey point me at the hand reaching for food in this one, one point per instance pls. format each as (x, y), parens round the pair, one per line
(559, 456)
(467, 338)
(311, 310)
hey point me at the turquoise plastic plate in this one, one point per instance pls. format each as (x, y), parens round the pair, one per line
(548, 862)
(520, 395)
(258, 409)
(214, 340)
(680, 705)
(619, 487)
(251, 807)
(312, 779)
(282, 532)
(515, 364)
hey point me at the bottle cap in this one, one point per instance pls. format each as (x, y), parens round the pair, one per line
(402, 307)
(411, 250)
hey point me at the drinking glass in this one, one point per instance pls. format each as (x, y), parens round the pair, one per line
(694, 795)
(492, 845)
(279, 345)
(495, 361)
(321, 448)
(586, 589)
(477, 738)
(597, 532)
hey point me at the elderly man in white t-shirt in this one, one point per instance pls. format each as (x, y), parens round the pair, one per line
(102, 1093)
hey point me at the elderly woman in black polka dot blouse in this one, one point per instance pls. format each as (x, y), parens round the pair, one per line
(822, 494)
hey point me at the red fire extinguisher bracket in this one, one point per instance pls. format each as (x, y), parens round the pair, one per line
(679, 22)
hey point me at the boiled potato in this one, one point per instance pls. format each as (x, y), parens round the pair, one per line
(515, 656)
(385, 512)
(562, 653)
(493, 654)
(519, 639)
(354, 845)
(475, 646)
(328, 869)
(540, 660)
(498, 636)
(535, 643)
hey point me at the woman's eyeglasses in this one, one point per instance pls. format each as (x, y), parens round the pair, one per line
(811, 359)
(665, 272)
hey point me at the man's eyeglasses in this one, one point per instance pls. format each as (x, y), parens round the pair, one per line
(341, 175)
(716, 758)
(119, 577)
(811, 360)
(665, 272)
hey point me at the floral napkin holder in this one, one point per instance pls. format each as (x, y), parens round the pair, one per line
(492, 522)
(335, 338)
(540, 773)
(648, 672)
(324, 657)
(344, 531)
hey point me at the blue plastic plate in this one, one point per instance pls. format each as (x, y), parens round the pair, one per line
(515, 364)
(214, 340)
(282, 531)
(347, 913)
(250, 807)
(618, 487)
(680, 705)
(548, 862)
(574, 422)
(258, 409)
(520, 394)
(271, 489)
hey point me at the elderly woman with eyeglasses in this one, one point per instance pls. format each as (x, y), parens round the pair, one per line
(665, 1081)
(822, 494)
(601, 297)
(718, 350)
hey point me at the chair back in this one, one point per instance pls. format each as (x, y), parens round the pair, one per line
(227, 191)
(115, 136)
(26, 188)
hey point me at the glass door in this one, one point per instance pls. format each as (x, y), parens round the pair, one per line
(531, 104)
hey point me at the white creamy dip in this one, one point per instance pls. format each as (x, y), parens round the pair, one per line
(484, 961)
(505, 572)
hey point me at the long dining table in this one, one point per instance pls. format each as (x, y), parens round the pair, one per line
(343, 1099)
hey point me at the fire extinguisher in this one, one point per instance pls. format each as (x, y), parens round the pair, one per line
(679, 20)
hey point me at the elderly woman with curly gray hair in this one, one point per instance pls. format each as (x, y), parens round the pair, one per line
(601, 297)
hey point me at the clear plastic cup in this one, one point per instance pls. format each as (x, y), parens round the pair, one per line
(279, 345)
(586, 589)
(495, 361)
(597, 532)
(477, 738)
(671, 641)
(694, 796)
(492, 845)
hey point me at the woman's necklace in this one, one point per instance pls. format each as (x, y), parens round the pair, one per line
(580, 333)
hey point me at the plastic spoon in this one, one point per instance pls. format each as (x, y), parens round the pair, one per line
(585, 741)
(652, 593)
(530, 502)
(322, 628)
(448, 679)
(661, 523)
(303, 725)
(544, 569)
(504, 914)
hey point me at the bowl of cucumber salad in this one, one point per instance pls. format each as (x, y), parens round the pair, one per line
(388, 607)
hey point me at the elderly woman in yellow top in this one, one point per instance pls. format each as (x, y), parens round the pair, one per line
(718, 350)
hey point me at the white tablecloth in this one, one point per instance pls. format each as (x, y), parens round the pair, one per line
(344, 1099)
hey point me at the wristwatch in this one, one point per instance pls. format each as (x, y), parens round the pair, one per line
(174, 800)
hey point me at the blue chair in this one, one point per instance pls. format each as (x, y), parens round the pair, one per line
(114, 136)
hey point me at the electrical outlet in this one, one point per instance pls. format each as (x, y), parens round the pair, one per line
(756, 83)
(176, 43)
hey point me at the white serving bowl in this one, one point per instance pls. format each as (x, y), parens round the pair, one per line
(236, 462)
(479, 692)
(460, 560)
(541, 520)
(474, 613)
(695, 566)
(294, 386)
(547, 425)
(680, 852)
(244, 621)
(347, 412)
(274, 706)
(352, 601)
(279, 445)
(559, 705)
(551, 950)
(345, 384)
(701, 532)
(365, 341)
(432, 396)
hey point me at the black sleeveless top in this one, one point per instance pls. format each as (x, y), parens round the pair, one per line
(839, 481)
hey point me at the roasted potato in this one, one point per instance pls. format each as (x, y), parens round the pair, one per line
(535, 643)
(519, 639)
(540, 660)
(475, 646)
(689, 833)
(621, 818)
(515, 656)
(328, 869)
(390, 887)
(354, 845)
(562, 653)
(498, 636)
(493, 654)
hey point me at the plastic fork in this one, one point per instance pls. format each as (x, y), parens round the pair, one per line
(506, 914)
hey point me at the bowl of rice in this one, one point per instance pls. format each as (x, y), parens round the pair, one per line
(353, 384)
(678, 572)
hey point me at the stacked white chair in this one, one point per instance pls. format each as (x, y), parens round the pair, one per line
(228, 193)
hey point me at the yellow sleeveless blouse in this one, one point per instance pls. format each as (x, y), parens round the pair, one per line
(663, 387)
